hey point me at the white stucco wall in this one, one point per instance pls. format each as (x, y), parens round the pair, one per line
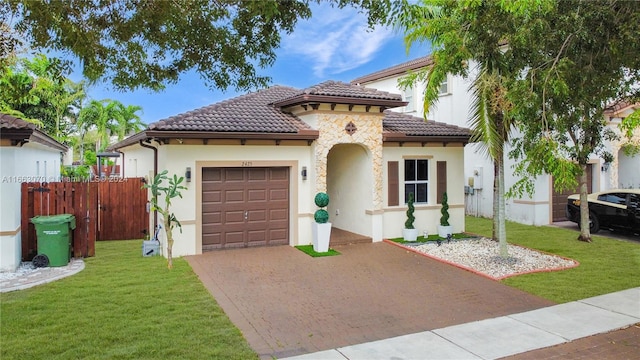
(29, 163)
(350, 188)
(453, 108)
(176, 158)
(427, 216)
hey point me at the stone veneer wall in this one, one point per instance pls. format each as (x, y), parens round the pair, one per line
(368, 134)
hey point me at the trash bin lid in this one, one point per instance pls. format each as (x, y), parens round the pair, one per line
(53, 219)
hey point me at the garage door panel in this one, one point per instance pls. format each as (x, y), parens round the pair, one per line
(212, 197)
(234, 217)
(279, 174)
(211, 239)
(257, 195)
(257, 174)
(279, 194)
(257, 215)
(278, 214)
(210, 215)
(234, 195)
(232, 175)
(278, 237)
(212, 174)
(246, 207)
(234, 237)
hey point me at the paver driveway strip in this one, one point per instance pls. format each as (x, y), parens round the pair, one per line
(287, 303)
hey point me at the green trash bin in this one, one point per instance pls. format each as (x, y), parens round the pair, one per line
(54, 237)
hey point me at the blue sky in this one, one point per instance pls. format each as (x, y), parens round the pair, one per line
(335, 44)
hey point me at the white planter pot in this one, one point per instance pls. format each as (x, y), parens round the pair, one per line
(410, 234)
(443, 231)
(321, 236)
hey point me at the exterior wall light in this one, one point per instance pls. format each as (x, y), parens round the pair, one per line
(304, 173)
(187, 174)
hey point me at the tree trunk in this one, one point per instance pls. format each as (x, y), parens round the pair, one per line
(167, 227)
(585, 231)
(502, 231)
(496, 207)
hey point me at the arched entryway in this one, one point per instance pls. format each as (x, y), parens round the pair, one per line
(350, 188)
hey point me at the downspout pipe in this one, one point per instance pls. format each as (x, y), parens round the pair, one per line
(155, 172)
(121, 170)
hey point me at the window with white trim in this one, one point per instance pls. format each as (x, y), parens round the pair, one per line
(416, 180)
(408, 97)
(444, 87)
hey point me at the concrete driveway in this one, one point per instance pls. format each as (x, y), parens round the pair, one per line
(287, 303)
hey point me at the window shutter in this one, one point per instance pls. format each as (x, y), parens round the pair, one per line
(441, 174)
(393, 182)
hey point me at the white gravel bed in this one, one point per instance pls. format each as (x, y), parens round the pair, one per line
(24, 269)
(483, 255)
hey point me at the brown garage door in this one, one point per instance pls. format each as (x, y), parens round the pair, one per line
(245, 207)
(559, 199)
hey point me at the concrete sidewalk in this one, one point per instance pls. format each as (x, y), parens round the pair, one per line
(502, 336)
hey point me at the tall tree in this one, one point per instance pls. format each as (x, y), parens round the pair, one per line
(128, 120)
(103, 116)
(135, 43)
(463, 45)
(583, 56)
(38, 88)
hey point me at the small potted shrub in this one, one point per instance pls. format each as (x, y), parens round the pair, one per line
(321, 227)
(445, 229)
(410, 233)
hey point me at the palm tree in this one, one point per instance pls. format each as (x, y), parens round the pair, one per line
(459, 36)
(101, 114)
(491, 129)
(128, 121)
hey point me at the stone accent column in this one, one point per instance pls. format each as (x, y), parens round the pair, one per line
(368, 133)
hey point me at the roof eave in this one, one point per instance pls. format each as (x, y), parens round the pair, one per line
(402, 138)
(19, 137)
(328, 99)
(211, 135)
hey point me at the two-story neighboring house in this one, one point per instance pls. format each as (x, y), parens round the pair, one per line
(546, 205)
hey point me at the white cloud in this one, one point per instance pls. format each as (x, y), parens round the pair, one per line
(335, 40)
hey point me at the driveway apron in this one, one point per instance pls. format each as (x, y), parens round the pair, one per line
(287, 303)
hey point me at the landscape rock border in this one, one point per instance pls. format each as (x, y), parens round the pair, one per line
(480, 256)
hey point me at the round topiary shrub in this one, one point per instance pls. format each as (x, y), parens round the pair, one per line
(322, 199)
(321, 216)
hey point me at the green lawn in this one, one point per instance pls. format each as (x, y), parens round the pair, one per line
(125, 306)
(606, 265)
(120, 306)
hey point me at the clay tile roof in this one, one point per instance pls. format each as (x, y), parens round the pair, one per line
(341, 92)
(12, 122)
(395, 70)
(620, 105)
(342, 89)
(399, 123)
(246, 113)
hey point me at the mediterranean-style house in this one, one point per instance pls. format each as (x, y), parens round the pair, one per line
(27, 155)
(546, 205)
(254, 163)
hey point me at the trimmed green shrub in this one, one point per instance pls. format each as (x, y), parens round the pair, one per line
(321, 216)
(444, 219)
(410, 218)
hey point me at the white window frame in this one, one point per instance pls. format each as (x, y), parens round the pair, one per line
(445, 86)
(407, 94)
(416, 181)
